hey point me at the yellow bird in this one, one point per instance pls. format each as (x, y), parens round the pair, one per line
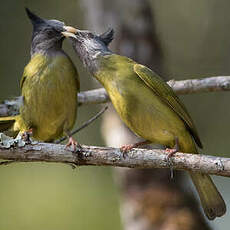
(147, 105)
(49, 86)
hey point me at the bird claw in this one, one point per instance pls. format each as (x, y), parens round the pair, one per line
(26, 136)
(125, 149)
(170, 154)
(74, 144)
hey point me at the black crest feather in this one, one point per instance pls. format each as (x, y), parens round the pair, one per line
(34, 18)
(107, 36)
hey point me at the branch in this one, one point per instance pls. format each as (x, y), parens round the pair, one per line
(211, 84)
(105, 156)
(99, 96)
(137, 158)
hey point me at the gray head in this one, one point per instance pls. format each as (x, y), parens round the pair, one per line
(46, 34)
(89, 45)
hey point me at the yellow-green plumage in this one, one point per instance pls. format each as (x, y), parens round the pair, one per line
(150, 108)
(143, 108)
(49, 85)
(146, 104)
(49, 88)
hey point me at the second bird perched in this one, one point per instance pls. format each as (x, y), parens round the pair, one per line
(147, 105)
(49, 86)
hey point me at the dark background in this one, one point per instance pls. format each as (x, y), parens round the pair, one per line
(194, 38)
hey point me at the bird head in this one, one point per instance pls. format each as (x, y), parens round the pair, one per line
(46, 33)
(83, 37)
(88, 44)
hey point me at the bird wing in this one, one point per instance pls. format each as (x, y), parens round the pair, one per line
(27, 74)
(167, 95)
(23, 79)
(77, 80)
(36, 65)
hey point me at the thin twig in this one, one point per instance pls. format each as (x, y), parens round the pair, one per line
(85, 124)
(99, 96)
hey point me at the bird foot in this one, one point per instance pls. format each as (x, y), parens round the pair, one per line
(170, 154)
(26, 136)
(74, 145)
(125, 148)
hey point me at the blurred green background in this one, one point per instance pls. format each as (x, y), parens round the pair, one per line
(195, 42)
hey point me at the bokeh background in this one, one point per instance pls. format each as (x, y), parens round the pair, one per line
(194, 39)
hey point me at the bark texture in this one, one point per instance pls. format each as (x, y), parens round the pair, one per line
(105, 156)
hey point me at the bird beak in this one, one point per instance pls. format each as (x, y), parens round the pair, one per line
(68, 34)
(70, 29)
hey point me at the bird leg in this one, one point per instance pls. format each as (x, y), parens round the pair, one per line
(171, 152)
(174, 150)
(126, 148)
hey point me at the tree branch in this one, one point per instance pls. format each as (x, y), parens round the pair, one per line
(99, 96)
(138, 158)
(211, 84)
(105, 156)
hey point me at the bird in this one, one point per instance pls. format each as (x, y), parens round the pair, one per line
(146, 104)
(49, 86)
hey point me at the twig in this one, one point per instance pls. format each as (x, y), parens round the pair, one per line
(211, 84)
(137, 158)
(99, 96)
(98, 156)
(85, 124)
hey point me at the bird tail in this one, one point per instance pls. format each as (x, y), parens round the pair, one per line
(7, 124)
(211, 200)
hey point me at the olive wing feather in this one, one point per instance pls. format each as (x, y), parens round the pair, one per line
(167, 95)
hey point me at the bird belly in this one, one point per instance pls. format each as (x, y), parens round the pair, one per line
(49, 105)
(147, 116)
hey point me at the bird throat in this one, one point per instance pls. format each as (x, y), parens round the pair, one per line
(45, 46)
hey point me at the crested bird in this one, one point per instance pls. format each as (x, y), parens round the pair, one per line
(146, 104)
(49, 86)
